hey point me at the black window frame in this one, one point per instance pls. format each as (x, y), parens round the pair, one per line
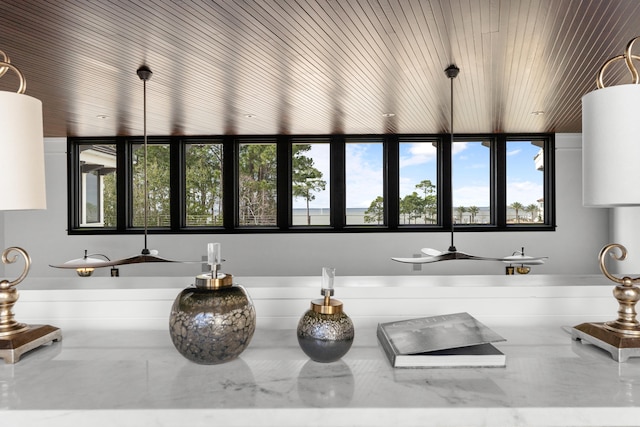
(336, 182)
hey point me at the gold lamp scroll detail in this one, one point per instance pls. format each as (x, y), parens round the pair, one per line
(18, 338)
(5, 65)
(628, 58)
(9, 295)
(620, 337)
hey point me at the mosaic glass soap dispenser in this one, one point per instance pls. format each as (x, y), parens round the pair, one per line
(214, 321)
(325, 332)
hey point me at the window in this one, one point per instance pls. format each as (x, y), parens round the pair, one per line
(155, 194)
(337, 183)
(418, 182)
(203, 184)
(310, 192)
(471, 179)
(525, 182)
(365, 202)
(257, 184)
(97, 166)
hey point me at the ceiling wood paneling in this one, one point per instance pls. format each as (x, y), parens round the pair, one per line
(313, 67)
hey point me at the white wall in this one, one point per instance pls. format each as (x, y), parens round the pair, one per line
(572, 248)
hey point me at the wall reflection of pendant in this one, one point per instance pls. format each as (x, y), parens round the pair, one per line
(325, 332)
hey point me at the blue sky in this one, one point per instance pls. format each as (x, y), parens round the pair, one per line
(418, 162)
(525, 184)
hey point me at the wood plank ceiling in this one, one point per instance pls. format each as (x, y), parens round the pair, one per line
(313, 66)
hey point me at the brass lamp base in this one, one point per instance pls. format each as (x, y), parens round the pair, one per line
(621, 346)
(18, 338)
(621, 337)
(14, 346)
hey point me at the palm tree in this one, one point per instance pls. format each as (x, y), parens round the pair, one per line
(473, 210)
(517, 206)
(533, 210)
(461, 210)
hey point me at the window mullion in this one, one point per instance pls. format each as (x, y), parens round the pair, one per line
(338, 208)
(284, 174)
(549, 181)
(74, 176)
(392, 181)
(499, 182)
(229, 183)
(177, 179)
(124, 206)
(445, 182)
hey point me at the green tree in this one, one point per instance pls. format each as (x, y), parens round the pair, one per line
(429, 206)
(109, 199)
(203, 174)
(473, 211)
(532, 209)
(461, 210)
(412, 205)
(375, 212)
(305, 178)
(517, 206)
(158, 195)
(257, 180)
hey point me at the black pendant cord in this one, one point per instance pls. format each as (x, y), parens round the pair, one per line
(452, 72)
(146, 184)
(145, 74)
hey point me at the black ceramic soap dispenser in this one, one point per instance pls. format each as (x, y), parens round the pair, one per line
(325, 332)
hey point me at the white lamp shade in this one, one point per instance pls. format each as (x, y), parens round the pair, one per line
(611, 146)
(22, 175)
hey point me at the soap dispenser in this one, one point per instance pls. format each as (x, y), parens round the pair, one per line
(214, 321)
(325, 332)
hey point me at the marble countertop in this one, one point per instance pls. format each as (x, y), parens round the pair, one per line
(136, 378)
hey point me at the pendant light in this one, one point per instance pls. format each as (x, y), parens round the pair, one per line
(145, 255)
(434, 255)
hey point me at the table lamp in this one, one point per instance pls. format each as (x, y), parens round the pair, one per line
(610, 177)
(23, 188)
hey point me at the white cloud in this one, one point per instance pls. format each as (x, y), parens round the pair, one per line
(525, 192)
(458, 147)
(407, 186)
(471, 195)
(364, 176)
(420, 153)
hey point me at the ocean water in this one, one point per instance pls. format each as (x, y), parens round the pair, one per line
(355, 216)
